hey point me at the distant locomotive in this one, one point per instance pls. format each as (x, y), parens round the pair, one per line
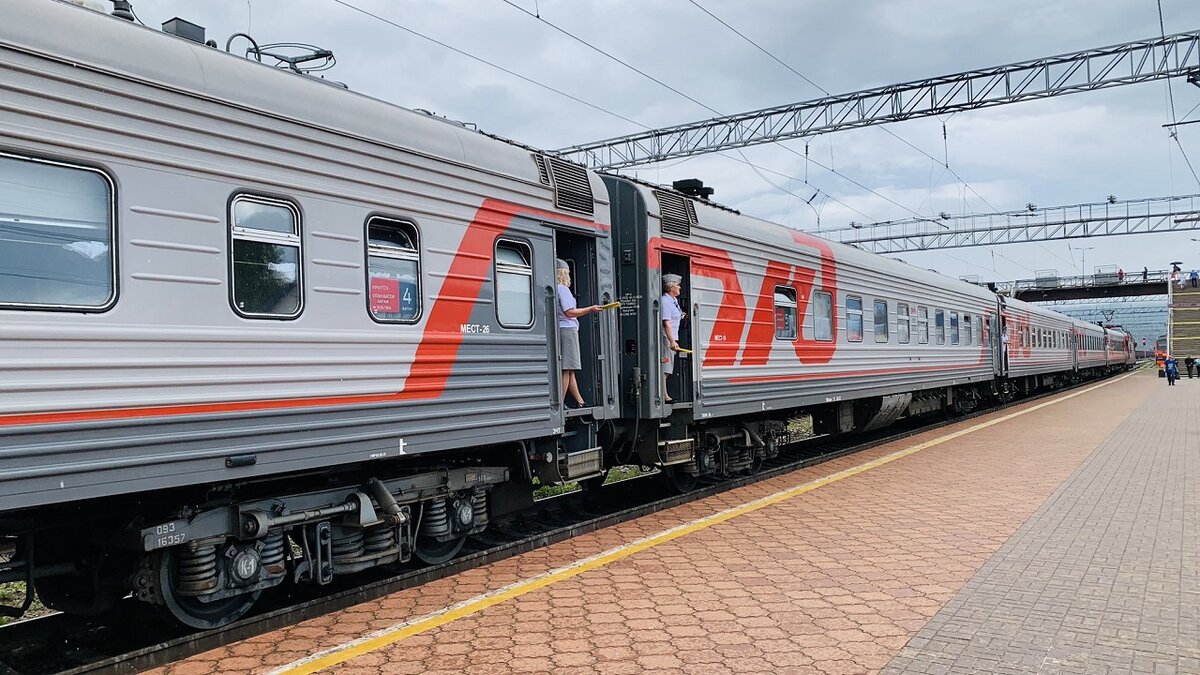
(255, 328)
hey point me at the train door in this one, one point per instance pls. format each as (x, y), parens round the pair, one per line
(579, 252)
(1000, 344)
(680, 385)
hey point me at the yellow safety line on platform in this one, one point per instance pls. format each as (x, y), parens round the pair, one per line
(388, 636)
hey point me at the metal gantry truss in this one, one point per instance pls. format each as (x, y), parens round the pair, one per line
(1130, 302)
(1129, 63)
(1135, 216)
(1148, 322)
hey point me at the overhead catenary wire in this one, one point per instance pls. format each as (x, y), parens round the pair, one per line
(1174, 130)
(707, 107)
(513, 73)
(945, 162)
(530, 80)
(484, 61)
(669, 87)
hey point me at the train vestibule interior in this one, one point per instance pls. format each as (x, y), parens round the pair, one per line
(680, 385)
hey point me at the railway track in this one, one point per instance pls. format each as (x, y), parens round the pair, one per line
(132, 639)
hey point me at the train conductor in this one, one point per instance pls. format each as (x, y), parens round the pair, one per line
(671, 316)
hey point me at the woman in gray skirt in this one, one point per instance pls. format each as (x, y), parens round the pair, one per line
(568, 331)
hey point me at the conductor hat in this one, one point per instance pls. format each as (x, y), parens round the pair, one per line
(671, 279)
(560, 264)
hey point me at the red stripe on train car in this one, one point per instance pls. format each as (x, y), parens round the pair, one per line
(434, 359)
(761, 335)
(712, 263)
(811, 351)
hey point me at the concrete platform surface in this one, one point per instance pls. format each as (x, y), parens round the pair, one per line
(950, 551)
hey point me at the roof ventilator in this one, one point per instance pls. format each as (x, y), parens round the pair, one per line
(543, 173)
(572, 187)
(678, 214)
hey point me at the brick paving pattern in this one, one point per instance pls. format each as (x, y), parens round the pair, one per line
(1104, 578)
(836, 580)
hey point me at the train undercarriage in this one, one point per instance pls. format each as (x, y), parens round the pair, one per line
(206, 564)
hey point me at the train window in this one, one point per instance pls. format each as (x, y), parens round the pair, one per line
(967, 326)
(979, 330)
(903, 333)
(514, 284)
(822, 316)
(939, 326)
(881, 321)
(953, 328)
(923, 325)
(393, 271)
(266, 257)
(56, 236)
(785, 313)
(854, 319)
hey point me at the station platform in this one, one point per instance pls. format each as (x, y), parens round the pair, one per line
(1057, 536)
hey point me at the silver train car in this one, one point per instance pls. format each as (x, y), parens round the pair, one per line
(256, 329)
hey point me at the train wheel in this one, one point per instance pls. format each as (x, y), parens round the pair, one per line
(189, 610)
(679, 481)
(756, 464)
(433, 552)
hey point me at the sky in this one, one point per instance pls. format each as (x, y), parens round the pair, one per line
(1064, 150)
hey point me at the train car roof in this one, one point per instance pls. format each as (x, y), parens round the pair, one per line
(1082, 325)
(1031, 308)
(90, 39)
(716, 216)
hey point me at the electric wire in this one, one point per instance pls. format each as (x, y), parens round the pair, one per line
(709, 108)
(599, 108)
(484, 61)
(891, 133)
(1174, 130)
(945, 162)
(682, 94)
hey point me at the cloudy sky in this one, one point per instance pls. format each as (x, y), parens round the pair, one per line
(1066, 150)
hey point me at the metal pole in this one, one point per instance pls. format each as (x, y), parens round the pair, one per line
(1170, 313)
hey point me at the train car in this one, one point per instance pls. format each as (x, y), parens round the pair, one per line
(1119, 346)
(1091, 355)
(214, 275)
(1039, 345)
(781, 321)
(257, 328)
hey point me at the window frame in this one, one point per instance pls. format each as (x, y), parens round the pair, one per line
(496, 284)
(789, 293)
(903, 327)
(393, 221)
(855, 312)
(886, 322)
(922, 325)
(113, 230)
(939, 327)
(813, 304)
(266, 237)
(954, 329)
(967, 329)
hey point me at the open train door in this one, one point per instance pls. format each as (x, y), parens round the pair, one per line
(1000, 345)
(680, 384)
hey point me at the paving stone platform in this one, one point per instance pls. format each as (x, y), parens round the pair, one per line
(1104, 578)
(901, 566)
